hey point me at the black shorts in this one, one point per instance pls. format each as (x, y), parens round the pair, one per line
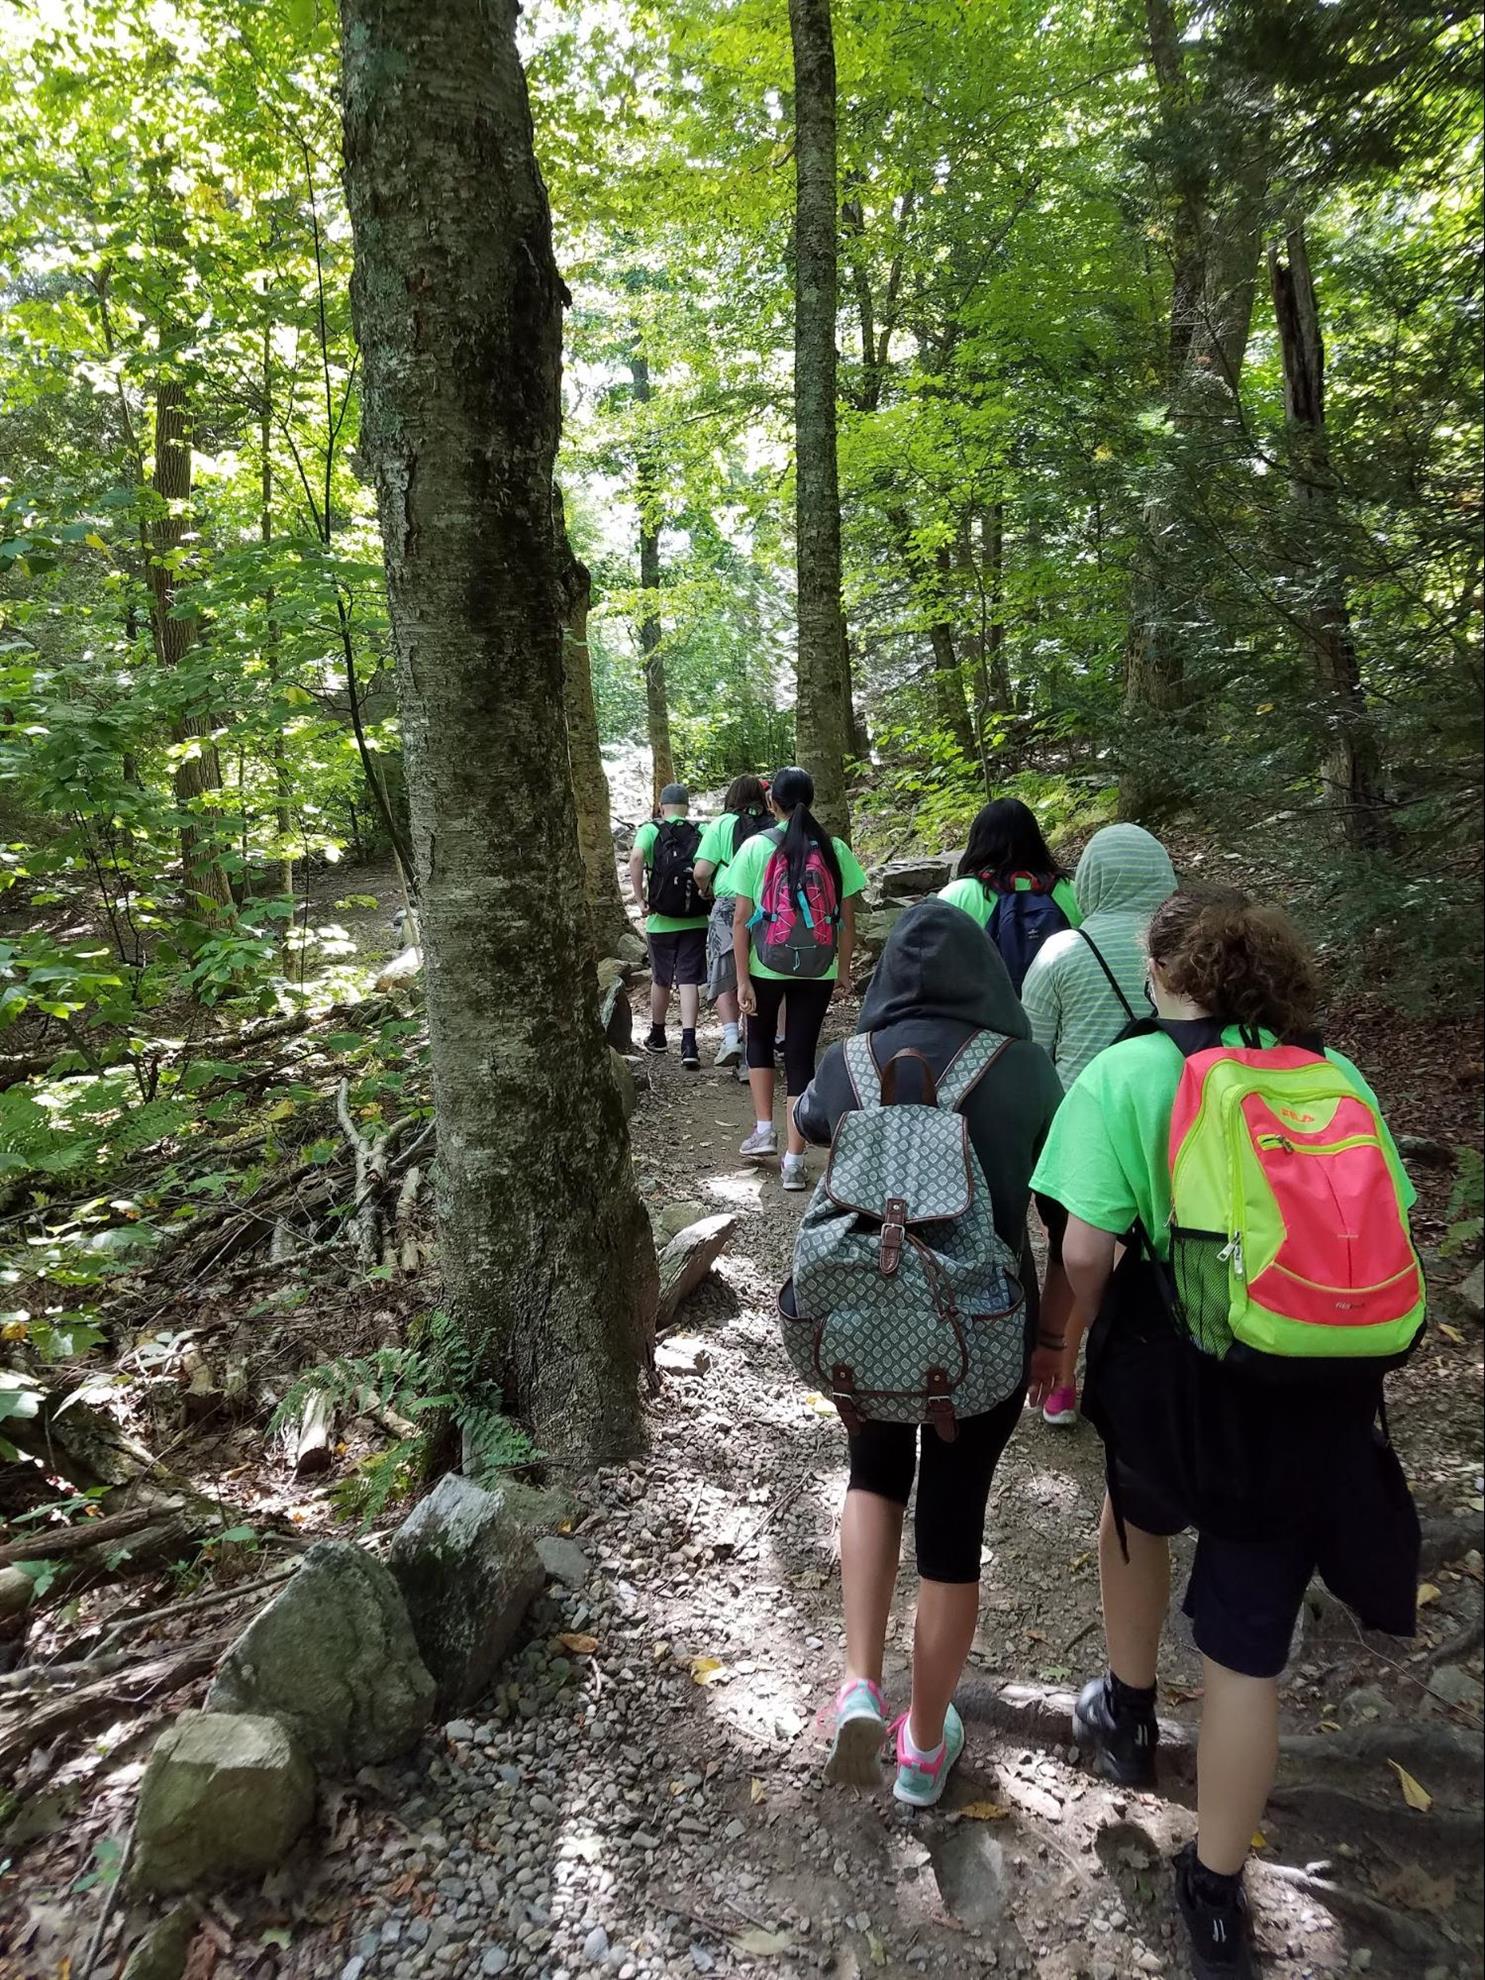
(679, 957)
(953, 1482)
(1244, 1596)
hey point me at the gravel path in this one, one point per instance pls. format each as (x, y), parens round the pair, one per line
(640, 1797)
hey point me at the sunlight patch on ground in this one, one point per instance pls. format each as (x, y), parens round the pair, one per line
(742, 1190)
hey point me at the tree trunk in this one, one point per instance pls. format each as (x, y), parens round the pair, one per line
(198, 772)
(548, 1265)
(283, 810)
(821, 696)
(929, 575)
(997, 668)
(657, 709)
(589, 783)
(1351, 763)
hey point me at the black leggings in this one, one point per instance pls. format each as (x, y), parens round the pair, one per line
(804, 1015)
(953, 1482)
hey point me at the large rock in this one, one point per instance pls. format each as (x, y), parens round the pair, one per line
(687, 1259)
(335, 1658)
(624, 1080)
(468, 1572)
(875, 926)
(670, 1219)
(162, 1953)
(1468, 1298)
(912, 879)
(225, 1795)
(615, 1012)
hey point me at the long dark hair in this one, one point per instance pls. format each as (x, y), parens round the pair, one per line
(746, 794)
(793, 792)
(1005, 839)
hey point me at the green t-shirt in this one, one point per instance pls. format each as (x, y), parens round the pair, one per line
(746, 879)
(1106, 1159)
(981, 902)
(716, 848)
(662, 924)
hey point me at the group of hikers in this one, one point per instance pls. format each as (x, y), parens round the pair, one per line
(1225, 1215)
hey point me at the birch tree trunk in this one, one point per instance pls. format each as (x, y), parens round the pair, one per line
(821, 718)
(283, 808)
(657, 708)
(1351, 767)
(548, 1266)
(612, 931)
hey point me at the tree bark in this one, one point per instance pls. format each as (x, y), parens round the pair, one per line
(198, 772)
(590, 790)
(992, 539)
(548, 1265)
(647, 495)
(821, 722)
(1350, 765)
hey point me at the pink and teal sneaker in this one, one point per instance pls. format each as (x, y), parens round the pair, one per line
(1061, 1408)
(857, 1719)
(922, 1778)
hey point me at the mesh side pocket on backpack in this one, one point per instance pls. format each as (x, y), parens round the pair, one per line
(1202, 1287)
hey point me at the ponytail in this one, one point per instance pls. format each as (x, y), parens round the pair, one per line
(793, 791)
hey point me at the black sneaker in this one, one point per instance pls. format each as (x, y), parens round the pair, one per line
(690, 1057)
(656, 1041)
(1221, 1938)
(1123, 1744)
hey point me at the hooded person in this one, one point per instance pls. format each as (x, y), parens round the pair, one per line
(940, 981)
(1087, 983)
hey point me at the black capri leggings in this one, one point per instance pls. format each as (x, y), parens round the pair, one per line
(804, 1015)
(953, 1482)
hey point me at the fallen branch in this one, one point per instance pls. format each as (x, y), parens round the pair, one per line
(51, 1543)
(94, 1704)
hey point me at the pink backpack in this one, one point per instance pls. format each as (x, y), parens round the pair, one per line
(795, 934)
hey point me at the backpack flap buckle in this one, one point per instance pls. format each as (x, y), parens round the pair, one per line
(843, 1395)
(894, 1231)
(941, 1404)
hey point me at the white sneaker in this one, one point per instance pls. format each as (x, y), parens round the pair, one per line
(761, 1145)
(730, 1055)
(794, 1175)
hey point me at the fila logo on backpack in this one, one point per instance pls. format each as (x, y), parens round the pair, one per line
(795, 933)
(672, 888)
(1289, 1236)
(905, 1305)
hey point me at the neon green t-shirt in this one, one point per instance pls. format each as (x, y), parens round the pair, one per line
(981, 901)
(716, 847)
(1106, 1157)
(662, 924)
(746, 879)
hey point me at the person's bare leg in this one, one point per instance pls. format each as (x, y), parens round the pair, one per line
(726, 1006)
(1136, 1595)
(870, 1545)
(1055, 1316)
(943, 1635)
(659, 1003)
(793, 1139)
(1237, 1756)
(761, 1082)
(1073, 1328)
(690, 1005)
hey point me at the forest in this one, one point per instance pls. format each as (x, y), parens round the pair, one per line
(429, 431)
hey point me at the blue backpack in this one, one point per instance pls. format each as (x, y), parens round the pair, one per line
(1025, 918)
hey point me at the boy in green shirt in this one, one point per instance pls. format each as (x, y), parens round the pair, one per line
(662, 878)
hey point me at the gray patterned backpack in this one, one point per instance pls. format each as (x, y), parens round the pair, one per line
(906, 1304)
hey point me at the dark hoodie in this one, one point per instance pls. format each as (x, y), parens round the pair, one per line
(941, 979)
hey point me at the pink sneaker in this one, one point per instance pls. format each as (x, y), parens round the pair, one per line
(857, 1721)
(1061, 1408)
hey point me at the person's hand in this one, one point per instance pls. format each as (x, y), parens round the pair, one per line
(1046, 1367)
(747, 997)
(840, 989)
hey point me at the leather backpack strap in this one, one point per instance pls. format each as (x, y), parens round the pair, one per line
(889, 1078)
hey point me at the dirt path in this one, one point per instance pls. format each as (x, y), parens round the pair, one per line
(652, 1805)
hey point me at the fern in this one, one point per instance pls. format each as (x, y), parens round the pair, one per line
(437, 1375)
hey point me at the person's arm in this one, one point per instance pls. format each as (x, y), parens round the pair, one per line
(1088, 1260)
(637, 878)
(702, 871)
(845, 946)
(742, 914)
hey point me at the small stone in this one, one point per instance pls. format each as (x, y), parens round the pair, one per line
(563, 1560)
(701, 1959)
(494, 1959)
(1361, 1960)
(459, 1730)
(595, 1945)
(734, 1829)
(353, 1968)
(224, 1796)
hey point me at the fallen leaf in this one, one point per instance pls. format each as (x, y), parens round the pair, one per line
(1180, 1694)
(877, 1949)
(1427, 1593)
(757, 1792)
(819, 1404)
(706, 1670)
(660, 1652)
(763, 1945)
(580, 1646)
(1330, 1725)
(1260, 1840)
(564, 1526)
(1449, 1333)
(1414, 1794)
(984, 1811)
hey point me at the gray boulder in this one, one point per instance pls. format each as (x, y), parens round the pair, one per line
(468, 1572)
(912, 879)
(162, 1953)
(671, 1218)
(687, 1259)
(875, 926)
(224, 1796)
(1469, 1295)
(563, 1560)
(335, 1658)
(624, 1080)
(615, 1013)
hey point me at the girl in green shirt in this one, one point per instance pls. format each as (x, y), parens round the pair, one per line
(1008, 854)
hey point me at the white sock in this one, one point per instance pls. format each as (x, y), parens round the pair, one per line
(793, 1161)
(915, 1752)
(729, 1035)
(765, 1127)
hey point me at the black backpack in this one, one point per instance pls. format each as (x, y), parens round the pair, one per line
(673, 889)
(744, 826)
